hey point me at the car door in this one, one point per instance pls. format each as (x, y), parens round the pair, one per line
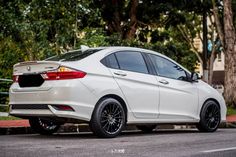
(178, 96)
(138, 86)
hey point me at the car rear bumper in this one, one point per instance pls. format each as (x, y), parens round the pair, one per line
(38, 101)
(50, 112)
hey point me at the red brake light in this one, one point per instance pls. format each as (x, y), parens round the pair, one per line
(15, 78)
(63, 107)
(63, 73)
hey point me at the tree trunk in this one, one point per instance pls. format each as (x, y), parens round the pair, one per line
(114, 20)
(133, 20)
(218, 23)
(204, 52)
(205, 74)
(230, 55)
(211, 64)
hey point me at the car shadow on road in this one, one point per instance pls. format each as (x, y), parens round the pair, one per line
(127, 133)
(159, 132)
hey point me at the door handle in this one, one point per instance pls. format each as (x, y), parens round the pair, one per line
(120, 73)
(164, 82)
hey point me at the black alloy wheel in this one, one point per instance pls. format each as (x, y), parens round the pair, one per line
(210, 117)
(43, 126)
(108, 118)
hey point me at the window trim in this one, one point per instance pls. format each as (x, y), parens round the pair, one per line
(157, 74)
(148, 72)
(146, 61)
(116, 60)
(149, 65)
(107, 64)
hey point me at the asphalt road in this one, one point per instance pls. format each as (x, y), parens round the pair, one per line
(163, 143)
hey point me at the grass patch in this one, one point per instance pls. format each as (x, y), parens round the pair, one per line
(9, 118)
(231, 111)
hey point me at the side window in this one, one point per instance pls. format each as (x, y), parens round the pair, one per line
(110, 61)
(167, 68)
(132, 61)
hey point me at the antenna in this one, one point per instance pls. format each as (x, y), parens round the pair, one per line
(84, 48)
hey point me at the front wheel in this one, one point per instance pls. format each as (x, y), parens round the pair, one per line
(43, 126)
(108, 118)
(209, 117)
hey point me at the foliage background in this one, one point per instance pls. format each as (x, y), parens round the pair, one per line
(35, 30)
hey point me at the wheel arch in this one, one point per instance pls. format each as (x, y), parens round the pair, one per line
(212, 99)
(204, 125)
(209, 99)
(116, 97)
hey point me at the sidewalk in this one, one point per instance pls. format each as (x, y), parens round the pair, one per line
(231, 119)
(14, 123)
(9, 127)
(23, 126)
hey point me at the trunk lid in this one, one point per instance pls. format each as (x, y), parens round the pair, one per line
(34, 67)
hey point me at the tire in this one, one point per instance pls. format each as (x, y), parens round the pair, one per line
(43, 126)
(209, 117)
(108, 118)
(146, 128)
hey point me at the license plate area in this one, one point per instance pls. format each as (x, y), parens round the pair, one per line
(32, 80)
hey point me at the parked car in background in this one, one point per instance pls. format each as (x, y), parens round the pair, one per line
(110, 87)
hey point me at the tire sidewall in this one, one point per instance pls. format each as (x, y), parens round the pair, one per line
(36, 126)
(95, 123)
(202, 124)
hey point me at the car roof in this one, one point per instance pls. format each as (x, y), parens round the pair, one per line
(120, 48)
(111, 49)
(117, 48)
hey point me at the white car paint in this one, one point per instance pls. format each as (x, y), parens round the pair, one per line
(147, 100)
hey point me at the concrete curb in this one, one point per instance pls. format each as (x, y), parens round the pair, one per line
(230, 125)
(15, 130)
(85, 128)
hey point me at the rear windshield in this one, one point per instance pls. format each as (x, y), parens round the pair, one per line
(72, 56)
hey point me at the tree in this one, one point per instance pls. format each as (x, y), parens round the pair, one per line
(39, 29)
(230, 54)
(35, 30)
(136, 19)
(226, 21)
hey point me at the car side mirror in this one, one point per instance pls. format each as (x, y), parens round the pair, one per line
(194, 77)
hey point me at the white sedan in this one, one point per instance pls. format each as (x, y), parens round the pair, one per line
(110, 87)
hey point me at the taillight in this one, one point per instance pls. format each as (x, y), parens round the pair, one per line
(15, 78)
(63, 107)
(63, 73)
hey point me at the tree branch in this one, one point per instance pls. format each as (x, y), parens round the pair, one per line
(219, 27)
(185, 36)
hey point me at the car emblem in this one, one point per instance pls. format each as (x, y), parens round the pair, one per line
(28, 68)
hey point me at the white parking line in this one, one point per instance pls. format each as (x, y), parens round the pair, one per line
(219, 150)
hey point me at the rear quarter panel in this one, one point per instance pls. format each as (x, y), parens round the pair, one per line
(98, 79)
